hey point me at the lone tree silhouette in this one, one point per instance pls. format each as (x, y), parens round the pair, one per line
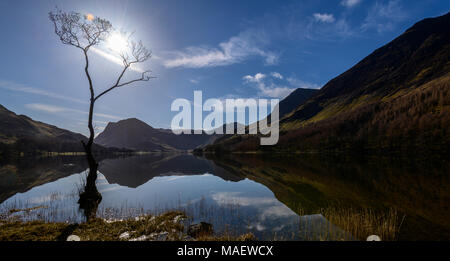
(85, 32)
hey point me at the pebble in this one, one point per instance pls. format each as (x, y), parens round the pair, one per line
(124, 235)
(373, 238)
(141, 238)
(73, 238)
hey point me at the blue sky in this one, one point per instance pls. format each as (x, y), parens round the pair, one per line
(245, 49)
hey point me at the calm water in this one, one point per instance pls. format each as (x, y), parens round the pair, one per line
(274, 197)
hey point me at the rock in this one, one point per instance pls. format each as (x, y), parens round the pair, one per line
(247, 237)
(141, 238)
(124, 235)
(373, 238)
(73, 238)
(139, 218)
(162, 236)
(109, 221)
(178, 219)
(202, 229)
(188, 238)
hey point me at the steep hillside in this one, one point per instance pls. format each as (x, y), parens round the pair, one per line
(397, 98)
(19, 133)
(295, 99)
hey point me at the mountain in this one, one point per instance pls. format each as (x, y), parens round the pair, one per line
(397, 98)
(295, 99)
(137, 135)
(19, 133)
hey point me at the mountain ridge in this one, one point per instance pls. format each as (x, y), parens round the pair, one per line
(135, 134)
(22, 133)
(396, 98)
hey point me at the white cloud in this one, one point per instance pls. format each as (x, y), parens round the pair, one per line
(383, 16)
(194, 81)
(276, 212)
(350, 3)
(238, 198)
(257, 78)
(57, 110)
(49, 108)
(297, 83)
(108, 116)
(17, 87)
(277, 75)
(267, 88)
(235, 50)
(324, 18)
(274, 91)
(324, 27)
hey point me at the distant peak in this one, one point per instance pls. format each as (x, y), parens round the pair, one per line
(128, 122)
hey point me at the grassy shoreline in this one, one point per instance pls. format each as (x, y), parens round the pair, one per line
(165, 227)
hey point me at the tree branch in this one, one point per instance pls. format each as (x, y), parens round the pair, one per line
(143, 78)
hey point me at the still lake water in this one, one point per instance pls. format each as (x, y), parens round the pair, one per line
(274, 197)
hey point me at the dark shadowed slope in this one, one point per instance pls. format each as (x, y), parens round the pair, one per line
(21, 133)
(295, 99)
(418, 56)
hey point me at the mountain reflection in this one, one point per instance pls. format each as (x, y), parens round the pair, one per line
(21, 175)
(137, 170)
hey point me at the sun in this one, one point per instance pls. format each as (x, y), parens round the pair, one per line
(117, 43)
(90, 17)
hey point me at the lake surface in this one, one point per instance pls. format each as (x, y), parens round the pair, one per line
(275, 197)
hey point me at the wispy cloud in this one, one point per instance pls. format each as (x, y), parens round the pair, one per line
(17, 87)
(297, 83)
(274, 91)
(235, 50)
(107, 116)
(194, 81)
(276, 75)
(324, 18)
(279, 89)
(332, 30)
(383, 16)
(115, 59)
(58, 110)
(350, 3)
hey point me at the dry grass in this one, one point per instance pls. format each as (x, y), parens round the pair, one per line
(162, 227)
(347, 223)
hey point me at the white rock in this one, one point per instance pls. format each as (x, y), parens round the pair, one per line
(373, 238)
(141, 238)
(139, 218)
(109, 221)
(73, 238)
(162, 236)
(178, 219)
(124, 235)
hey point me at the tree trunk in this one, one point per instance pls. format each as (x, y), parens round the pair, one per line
(90, 198)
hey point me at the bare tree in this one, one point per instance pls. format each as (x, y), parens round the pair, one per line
(85, 32)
